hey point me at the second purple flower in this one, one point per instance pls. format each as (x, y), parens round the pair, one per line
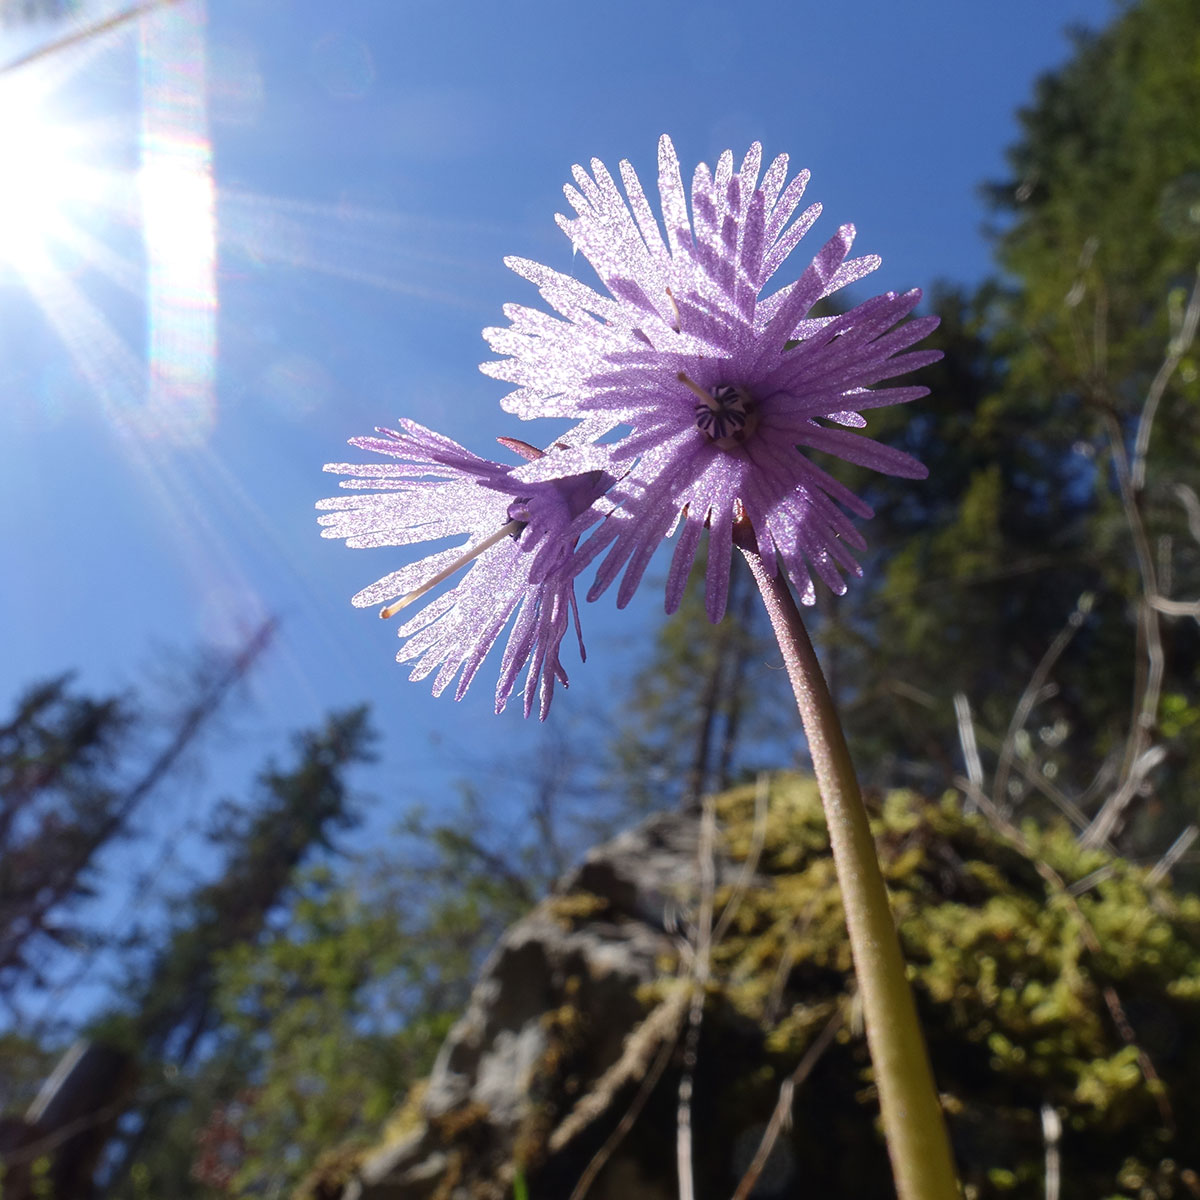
(516, 559)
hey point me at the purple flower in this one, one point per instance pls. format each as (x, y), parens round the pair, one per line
(519, 549)
(722, 388)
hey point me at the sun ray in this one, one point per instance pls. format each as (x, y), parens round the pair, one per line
(102, 357)
(216, 574)
(48, 238)
(108, 209)
(97, 254)
(383, 250)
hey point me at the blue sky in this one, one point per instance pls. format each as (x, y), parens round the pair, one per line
(372, 164)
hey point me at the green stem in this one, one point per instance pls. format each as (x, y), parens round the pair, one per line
(912, 1117)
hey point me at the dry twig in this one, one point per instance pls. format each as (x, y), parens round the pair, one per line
(661, 1028)
(1031, 695)
(783, 1106)
(1131, 481)
(1052, 1135)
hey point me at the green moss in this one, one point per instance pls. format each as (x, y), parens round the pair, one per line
(575, 908)
(1018, 1008)
(408, 1118)
(331, 1172)
(1024, 991)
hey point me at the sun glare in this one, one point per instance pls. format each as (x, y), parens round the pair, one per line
(66, 188)
(42, 171)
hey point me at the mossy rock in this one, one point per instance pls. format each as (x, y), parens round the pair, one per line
(1058, 988)
(1031, 996)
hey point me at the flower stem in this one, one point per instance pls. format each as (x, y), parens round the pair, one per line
(912, 1119)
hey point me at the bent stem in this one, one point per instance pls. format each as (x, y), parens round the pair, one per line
(912, 1118)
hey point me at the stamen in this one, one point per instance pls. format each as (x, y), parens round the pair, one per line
(524, 449)
(704, 395)
(512, 528)
(677, 324)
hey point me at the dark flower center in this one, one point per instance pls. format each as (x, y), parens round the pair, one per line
(727, 415)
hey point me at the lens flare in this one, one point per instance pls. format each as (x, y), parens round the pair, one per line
(179, 227)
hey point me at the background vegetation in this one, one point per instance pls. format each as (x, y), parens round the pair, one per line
(1027, 635)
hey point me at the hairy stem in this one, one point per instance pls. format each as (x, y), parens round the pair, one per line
(912, 1117)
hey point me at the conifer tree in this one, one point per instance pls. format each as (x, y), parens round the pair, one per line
(152, 1037)
(174, 1007)
(73, 776)
(1063, 440)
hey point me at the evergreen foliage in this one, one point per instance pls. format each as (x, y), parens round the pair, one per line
(59, 805)
(175, 1006)
(1062, 441)
(74, 772)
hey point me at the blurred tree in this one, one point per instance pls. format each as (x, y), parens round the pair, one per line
(1102, 217)
(696, 715)
(1049, 479)
(345, 1007)
(171, 1010)
(85, 1117)
(58, 807)
(320, 1022)
(72, 778)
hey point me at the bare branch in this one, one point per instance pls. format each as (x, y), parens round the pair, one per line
(1033, 777)
(1131, 480)
(1178, 347)
(1148, 687)
(1191, 505)
(659, 1030)
(1106, 819)
(1052, 1135)
(783, 1106)
(107, 25)
(1178, 848)
(1176, 608)
(1033, 689)
(966, 738)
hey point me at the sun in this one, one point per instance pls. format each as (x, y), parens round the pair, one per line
(43, 169)
(49, 169)
(108, 218)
